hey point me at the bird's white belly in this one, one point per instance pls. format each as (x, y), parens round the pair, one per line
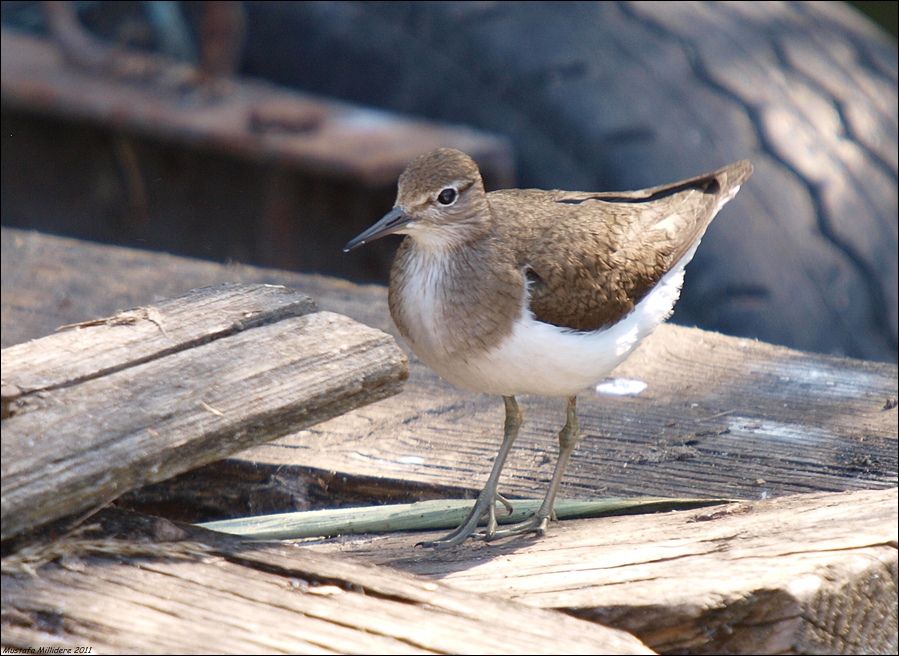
(540, 358)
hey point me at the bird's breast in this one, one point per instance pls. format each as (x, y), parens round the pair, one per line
(452, 309)
(418, 304)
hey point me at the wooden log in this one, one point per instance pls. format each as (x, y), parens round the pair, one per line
(720, 416)
(182, 385)
(170, 591)
(802, 574)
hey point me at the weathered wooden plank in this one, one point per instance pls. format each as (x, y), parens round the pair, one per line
(49, 281)
(812, 573)
(78, 446)
(91, 349)
(248, 118)
(221, 595)
(720, 416)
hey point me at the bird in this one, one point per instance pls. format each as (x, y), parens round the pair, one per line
(529, 291)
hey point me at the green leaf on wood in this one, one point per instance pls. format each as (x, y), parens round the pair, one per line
(428, 515)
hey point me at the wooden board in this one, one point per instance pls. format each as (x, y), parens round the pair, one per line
(248, 118)
(720, 416)
(90, 349)
(133, 399)
(164, 590)
(813, 573)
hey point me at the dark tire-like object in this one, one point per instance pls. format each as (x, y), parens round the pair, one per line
(611, 96)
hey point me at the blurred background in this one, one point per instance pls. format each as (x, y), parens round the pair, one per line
(269, 133)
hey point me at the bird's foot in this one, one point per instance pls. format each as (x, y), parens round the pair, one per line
(484, 506)
(506, 503)
(536, 524)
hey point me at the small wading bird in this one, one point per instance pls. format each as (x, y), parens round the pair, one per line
(524, 291)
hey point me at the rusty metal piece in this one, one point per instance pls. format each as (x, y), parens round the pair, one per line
(222, 32)
(256, 121)
(136, 188)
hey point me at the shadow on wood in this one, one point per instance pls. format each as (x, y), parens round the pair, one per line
(801, 574)
(719, 416)
(196, 591)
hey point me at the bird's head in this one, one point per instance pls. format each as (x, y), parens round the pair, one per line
(440, 201)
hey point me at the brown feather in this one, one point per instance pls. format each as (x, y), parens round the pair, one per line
(591, 257)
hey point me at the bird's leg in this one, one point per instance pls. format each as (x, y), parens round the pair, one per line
(486, 502)
(568, 438)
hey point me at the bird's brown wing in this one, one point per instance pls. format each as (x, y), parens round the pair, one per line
(591, 257)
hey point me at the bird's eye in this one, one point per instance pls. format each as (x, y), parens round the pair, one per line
(447, 196)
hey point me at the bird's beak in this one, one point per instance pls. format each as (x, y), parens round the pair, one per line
(394, 220)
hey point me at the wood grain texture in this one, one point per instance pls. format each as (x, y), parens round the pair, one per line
(720, 416)
(91, 349)
(79, 446)
(223, 596)
(810, 573)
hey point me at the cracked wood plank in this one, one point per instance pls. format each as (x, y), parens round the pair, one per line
(720, 416)
(193, 591)
(216, 371)
(810, 573)
(74, 354)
